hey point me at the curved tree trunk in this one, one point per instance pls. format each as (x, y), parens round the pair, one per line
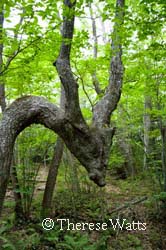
(90, 146)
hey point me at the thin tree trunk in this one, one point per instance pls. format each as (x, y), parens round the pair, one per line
(73, 173)
(51, 179)
(53, 169)
(2, 85)
(15, 183)
(127, 151)
(163, 155)
(147, 129)
(19, 213)
(108, 103)
(124, 142)
(73, 186)
(95, 80)
(2, 97)
(163, 158)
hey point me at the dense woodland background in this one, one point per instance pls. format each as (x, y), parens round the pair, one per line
(30, 39)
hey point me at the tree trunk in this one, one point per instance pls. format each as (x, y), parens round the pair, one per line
(147, 129)
(163, 156)
(53, 170)
(2, 86)
(73, 173)
(15, 183)
(51, 179)
(73, 183)
(95, 80)
(128, 154)
(19, 213)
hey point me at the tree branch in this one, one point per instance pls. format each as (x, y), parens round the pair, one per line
(19, 49)
(95, 80)
(105, 107)
(83, 85)
(128, 204)
(15, 53)
(63, 67)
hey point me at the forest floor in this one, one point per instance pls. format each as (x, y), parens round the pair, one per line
(129, 200)
(133, 201)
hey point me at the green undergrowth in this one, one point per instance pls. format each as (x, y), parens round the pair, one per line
(89, 204)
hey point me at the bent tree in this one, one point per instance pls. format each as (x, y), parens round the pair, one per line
(89, 144)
